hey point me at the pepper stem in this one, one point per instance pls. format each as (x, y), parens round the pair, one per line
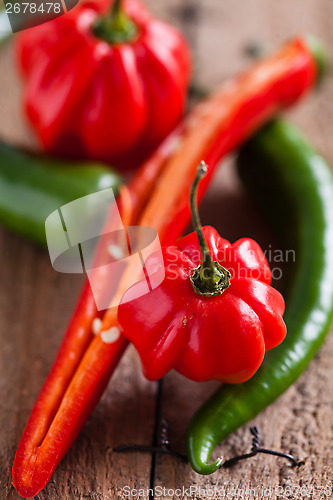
(115, 27)
(116, 8)
(209, 278)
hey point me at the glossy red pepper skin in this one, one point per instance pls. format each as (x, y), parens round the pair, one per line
(112, 102)
(222, 337)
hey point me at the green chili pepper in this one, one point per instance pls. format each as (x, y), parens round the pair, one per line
(294, 187)
(31, 187)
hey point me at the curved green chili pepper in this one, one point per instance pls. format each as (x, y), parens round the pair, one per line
(294, 187)
(31, 187)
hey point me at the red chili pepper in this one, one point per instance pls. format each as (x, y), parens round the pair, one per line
(211, 318)
(104, 85)
(85, 362)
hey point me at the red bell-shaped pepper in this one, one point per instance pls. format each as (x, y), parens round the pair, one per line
(104, 85)
(215, 313)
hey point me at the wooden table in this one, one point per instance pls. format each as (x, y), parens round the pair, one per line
(36, 303)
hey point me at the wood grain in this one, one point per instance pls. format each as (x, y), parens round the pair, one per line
(36, 302)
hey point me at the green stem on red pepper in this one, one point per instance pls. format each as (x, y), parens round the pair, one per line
(116, 26)
(209, 278)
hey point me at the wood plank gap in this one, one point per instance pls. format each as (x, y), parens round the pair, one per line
(156, 437)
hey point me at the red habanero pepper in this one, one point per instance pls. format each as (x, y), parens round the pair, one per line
(85, 362)
(104, 85)
(212, 319)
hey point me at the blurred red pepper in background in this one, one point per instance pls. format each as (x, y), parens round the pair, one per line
(104, 82)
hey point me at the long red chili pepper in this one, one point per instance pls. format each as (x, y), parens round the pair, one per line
(85, 363)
